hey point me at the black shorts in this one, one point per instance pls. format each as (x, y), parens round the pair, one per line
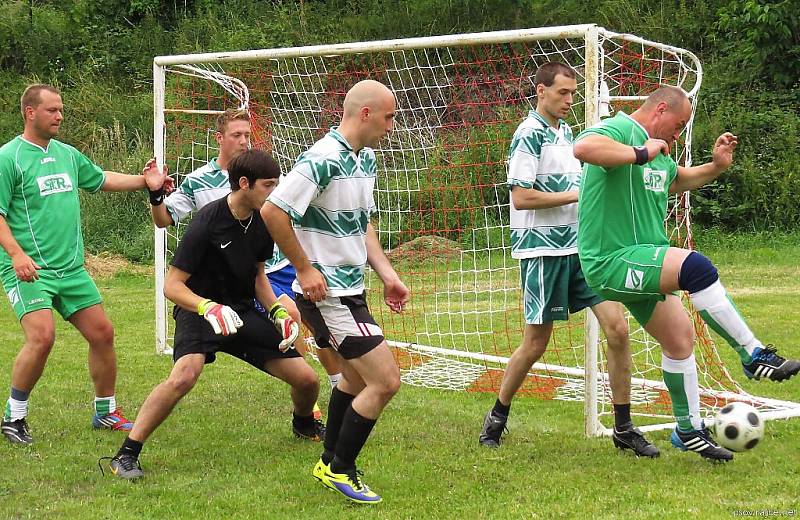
(256, 342)
(341, 322)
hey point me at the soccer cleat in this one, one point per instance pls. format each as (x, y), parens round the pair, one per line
(17, 432)
(700, 441)
(633, 439)
(315, 432)
(317, 412)
(767, 363)
(125, 466)
(112, 421)
(348, 484)
(493, 427)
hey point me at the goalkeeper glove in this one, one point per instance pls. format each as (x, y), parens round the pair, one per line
(222, 318)
(287, 327)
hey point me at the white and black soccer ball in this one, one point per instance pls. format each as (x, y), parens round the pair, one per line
(738, 426)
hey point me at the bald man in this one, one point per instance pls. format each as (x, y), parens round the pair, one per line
(625, 253)
(319, 217)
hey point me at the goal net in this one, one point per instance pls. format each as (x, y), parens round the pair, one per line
(441, 191)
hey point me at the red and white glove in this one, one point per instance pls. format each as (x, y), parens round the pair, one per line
(286, 326)
(222, 318)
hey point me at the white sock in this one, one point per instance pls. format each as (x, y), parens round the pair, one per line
(719, 312)
(16, 410)
(680, 375)
(105, 405)
(334, 379)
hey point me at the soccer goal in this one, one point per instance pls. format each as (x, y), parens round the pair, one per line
(441, 193)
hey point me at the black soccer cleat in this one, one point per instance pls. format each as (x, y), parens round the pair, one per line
(313, 432)
(700, 441)
(493, 427)
(17, 432)
(124, 466)
(767, 363)
(633, 439)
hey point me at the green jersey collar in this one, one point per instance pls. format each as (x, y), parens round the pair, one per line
(540, 117)
(339, 137)
(635, 123)
(45, 150)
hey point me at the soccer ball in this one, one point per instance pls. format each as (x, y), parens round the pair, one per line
(738, 426)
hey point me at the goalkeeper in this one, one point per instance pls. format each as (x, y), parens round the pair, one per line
(216, 273)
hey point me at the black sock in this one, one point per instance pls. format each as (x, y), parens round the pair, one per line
(355, 431)
(337, 407)
(501, 409)
(302, 422)
(130, 447)
(622, 417)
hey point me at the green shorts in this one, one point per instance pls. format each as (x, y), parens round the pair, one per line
(632, 276)
(67, 294)
(553, 287)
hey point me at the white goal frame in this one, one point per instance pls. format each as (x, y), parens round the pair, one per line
(596, 102)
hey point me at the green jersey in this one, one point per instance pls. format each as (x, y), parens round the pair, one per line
(625, 205)
(39, 200)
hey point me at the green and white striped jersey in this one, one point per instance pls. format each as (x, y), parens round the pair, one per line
(39, 201)
(328, 196)
(540, 157)
(207, 184)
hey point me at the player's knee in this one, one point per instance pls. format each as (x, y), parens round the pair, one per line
(307, 382)
(41, 341)
(103, 334)
(182, 381)
(391, 386)
(697, 273)
(617, 334)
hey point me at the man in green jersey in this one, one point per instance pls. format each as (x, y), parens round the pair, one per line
(625, 253)
(41, 265)
(544, 176)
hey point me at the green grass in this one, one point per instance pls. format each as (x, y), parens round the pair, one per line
(227, 450)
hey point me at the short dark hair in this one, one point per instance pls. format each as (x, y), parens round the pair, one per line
(232, 114)
(674, 97)
(252, 164)
(33, 95)
(546, 74)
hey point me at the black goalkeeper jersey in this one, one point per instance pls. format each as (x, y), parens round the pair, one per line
(221, 253)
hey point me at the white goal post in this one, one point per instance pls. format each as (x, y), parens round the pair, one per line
(441, 193)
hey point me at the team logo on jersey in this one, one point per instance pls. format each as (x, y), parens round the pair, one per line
(47, 160)
(634, 279)
(51, 184)
(654, 180)
(13, 296)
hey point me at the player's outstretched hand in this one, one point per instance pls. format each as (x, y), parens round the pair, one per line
(156, 178)
(287, 327)
(313, 284)
(655, 147)
(396, 295)
(25, 268)
(723, 150)
(222, 318)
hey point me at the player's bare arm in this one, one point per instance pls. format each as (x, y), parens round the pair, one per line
(264, 292)
(280, 228)
(531, 198)
(395, 293)
(176, 290)
(696, 176)
(151, 178)
(608, 153)
(24, 266)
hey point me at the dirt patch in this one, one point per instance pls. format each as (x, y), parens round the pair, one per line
(106, 265)
(424, 247)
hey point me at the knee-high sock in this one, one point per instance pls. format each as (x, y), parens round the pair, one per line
(355, 431)
(337, 407)
(680, 376)
(719, 312)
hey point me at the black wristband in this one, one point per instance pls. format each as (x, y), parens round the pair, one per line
(156, 197)
(642, 156)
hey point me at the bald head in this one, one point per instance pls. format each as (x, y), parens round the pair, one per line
(366, 93)
(674, 97)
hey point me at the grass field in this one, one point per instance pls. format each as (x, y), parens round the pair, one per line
(227, 450)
